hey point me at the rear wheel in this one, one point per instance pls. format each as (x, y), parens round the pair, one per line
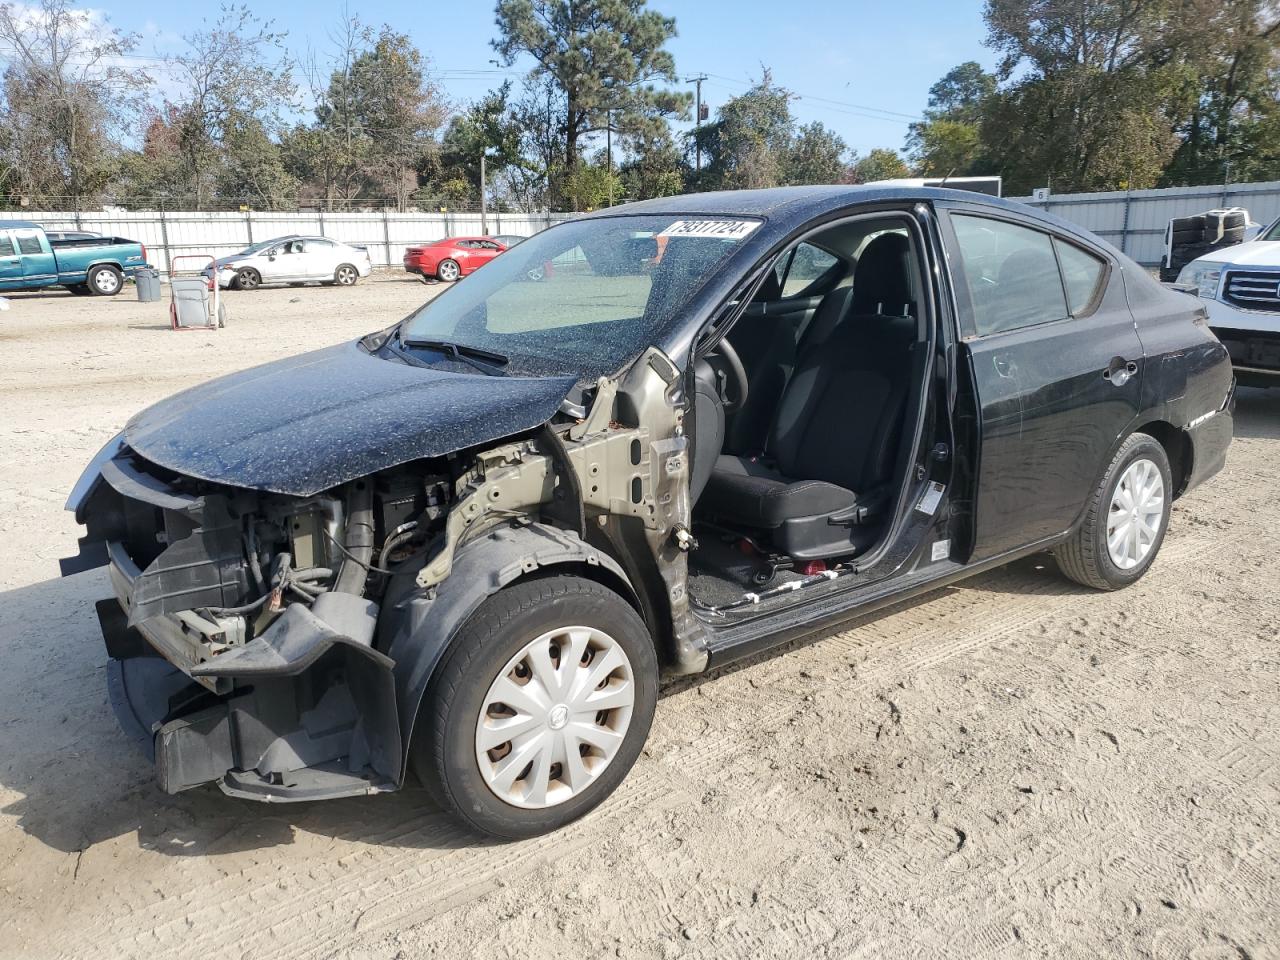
(448, 270)
(539, 708)
(248, 279)
(104, 281)
(1126, 519)
(346, 275)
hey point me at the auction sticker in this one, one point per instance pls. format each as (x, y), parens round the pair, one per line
(723, 229)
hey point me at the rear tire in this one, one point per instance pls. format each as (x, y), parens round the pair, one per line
(1088, 557)
(501, 638)
(346, 275)
(104, 281)
(448, 270)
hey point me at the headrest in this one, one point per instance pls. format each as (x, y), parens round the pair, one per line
(882, 278)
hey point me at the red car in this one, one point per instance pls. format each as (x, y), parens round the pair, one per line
(452, 257)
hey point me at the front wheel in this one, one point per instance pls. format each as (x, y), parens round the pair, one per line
(104, 281)
(448, 270)
(248, 279)
(1126, 519)
(346, 275)
(539, 708)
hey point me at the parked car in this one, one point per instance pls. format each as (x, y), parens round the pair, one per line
(467, 545)
(293, 259)
(30, 260)
(451, 258)
(1240, 287)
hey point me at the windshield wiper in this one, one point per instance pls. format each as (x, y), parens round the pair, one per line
(486, 361)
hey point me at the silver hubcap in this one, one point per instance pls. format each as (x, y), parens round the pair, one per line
(106, 281)
(1137, 510)
(448, 271)
(346, 275)
(555, 717)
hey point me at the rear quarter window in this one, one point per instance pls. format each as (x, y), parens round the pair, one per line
(1082, 275)
(29, 243)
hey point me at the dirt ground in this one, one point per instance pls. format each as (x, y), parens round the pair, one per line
(1011, 767)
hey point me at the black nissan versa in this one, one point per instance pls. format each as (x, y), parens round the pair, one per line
(466, 546)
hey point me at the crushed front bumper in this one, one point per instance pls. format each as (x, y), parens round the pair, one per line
(300, 712)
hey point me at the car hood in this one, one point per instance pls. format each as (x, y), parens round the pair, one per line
(233, 260)
(1255, 253)
(307, 423)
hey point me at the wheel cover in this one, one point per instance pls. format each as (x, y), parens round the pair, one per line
(449, 271)
(248, 279)
(106, 281)
(555, 717)
(1137, 510)
(346, 275)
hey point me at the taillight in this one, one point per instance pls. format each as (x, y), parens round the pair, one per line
(144, 252)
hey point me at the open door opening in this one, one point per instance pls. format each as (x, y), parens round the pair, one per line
(806, 415)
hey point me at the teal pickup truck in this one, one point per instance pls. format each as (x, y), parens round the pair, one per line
(94, 266)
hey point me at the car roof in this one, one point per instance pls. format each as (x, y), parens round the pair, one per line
(21, 225)
(793, 206)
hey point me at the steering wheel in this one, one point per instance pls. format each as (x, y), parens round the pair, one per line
(727, 364)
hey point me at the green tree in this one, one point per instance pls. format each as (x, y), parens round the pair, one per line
(604, 57)
(66, 101)
(816, 155)
(749, 143)
(880, 163)
(653, 167)
(234, 72)
(948, 141)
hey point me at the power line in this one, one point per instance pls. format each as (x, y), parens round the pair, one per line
(889, 114)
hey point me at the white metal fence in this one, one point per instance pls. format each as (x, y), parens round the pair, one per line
(1135, 220)
(386, 234)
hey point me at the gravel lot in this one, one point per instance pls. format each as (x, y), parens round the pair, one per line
(1011, 767)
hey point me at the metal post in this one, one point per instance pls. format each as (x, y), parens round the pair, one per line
(386, 233)
(248, 225)
(608, 151)
(1124, 227)
(484, 207)
(164, 241)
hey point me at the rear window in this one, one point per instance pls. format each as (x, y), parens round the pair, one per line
(29, 243)
(1081, 275)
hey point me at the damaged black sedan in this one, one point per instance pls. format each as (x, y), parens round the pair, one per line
(650, 440)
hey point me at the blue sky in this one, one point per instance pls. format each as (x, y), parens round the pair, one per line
(863, 67)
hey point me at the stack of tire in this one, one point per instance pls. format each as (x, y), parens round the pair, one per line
(1187, 238)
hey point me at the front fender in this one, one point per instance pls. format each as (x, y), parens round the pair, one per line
(422, 623)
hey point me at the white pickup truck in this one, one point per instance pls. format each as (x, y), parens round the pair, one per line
(1241, 288)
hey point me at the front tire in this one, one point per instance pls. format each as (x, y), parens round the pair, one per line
(248, 279)
(1125, 521)
(539, 707)
(448, 271)
(104, 281)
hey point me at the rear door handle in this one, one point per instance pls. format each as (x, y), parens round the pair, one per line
(1120, 371)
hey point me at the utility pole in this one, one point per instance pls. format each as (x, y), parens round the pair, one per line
(484, 208)
(697, 119)
(608, 151)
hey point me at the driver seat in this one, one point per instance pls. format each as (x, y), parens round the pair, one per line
(833, 445)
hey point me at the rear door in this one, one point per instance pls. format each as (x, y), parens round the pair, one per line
(1056, 363)
(319, 259)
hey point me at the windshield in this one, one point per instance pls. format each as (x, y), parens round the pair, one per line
(581, 298)
(255, 247)
(1272, 232)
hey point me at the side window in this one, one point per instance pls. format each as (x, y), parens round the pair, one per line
(6, 245)
(1011, 273)
(28, 243)
(808, 264)
(1081, 274)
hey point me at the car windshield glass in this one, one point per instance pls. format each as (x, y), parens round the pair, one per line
(584, 297)
(1273, 232)
(255, 247)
